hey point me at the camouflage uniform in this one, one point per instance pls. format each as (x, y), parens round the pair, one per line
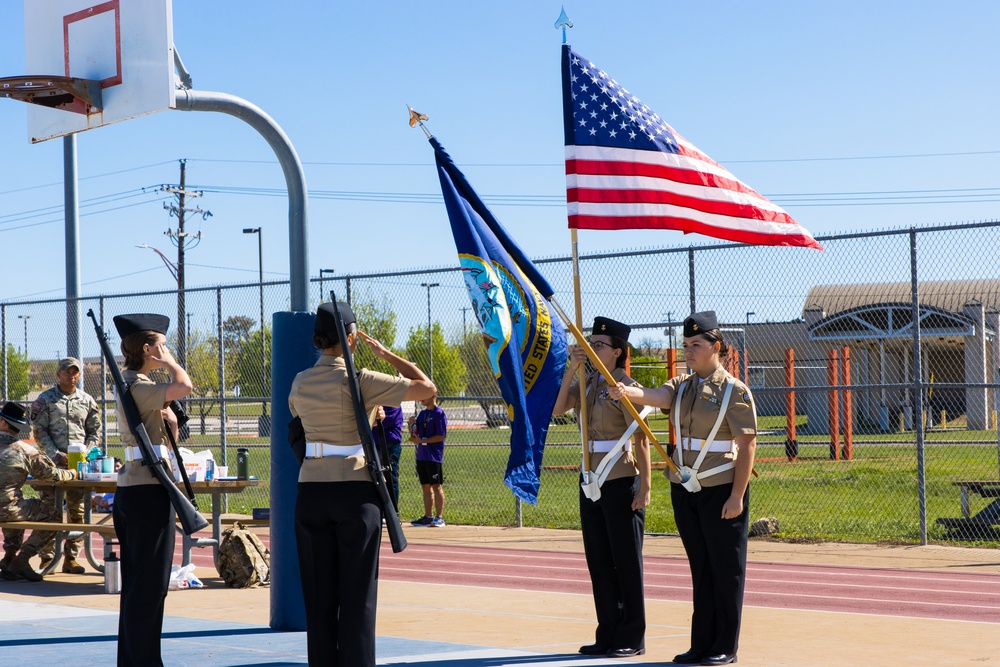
(58, 419)
(18, 459)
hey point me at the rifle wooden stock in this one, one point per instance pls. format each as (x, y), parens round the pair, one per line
(396, 537)
(191, 519)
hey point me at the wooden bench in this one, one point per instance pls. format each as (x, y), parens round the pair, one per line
(230, 520)
(66, 531)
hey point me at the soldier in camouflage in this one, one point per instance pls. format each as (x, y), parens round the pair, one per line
(61, 416)
(18, 459)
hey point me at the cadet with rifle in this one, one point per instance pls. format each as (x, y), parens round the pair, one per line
(143, 515)
(342, 492)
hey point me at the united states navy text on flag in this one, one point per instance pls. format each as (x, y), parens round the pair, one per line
(627, 169)
(525, 342)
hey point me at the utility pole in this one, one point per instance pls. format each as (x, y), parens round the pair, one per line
(178, 238)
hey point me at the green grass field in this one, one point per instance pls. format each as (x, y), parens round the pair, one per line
(872, 498)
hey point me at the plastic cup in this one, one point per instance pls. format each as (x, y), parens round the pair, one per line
(108, 464)
(221, 471)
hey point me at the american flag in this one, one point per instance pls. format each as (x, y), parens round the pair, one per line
(626, 168)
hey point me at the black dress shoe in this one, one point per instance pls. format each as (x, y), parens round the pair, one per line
(594, 649)
(721, 659)
(690, 657)
(625, 652)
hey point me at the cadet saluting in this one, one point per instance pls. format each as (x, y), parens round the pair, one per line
(338, 514)
(143, 516)
(614, 523)
(715, 425)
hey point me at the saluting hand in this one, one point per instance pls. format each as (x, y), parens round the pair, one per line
(378, 349)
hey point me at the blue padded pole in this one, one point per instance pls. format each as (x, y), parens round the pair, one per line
(292, 351)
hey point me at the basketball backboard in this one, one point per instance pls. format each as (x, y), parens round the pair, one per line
(126, 45)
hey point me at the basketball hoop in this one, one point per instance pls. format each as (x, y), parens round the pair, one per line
(67, 93)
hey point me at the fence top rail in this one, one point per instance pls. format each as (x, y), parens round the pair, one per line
(661, 250)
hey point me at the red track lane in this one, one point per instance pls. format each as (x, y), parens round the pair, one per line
(885, 592)
(946, 596)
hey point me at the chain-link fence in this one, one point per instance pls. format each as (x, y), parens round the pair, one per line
(874, 366)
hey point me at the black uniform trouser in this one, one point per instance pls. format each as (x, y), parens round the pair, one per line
(338, 528)
(717, 554)
(144, 523)
(612, 542)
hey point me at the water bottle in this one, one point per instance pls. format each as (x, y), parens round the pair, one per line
(92, 456)
(112, 574)
(242, 463)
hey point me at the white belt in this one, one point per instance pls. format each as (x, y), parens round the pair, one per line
(725, 446)
(316, 450)
(605, 446)
(135, 454)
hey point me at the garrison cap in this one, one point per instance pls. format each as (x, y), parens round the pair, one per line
(608, 327)
(325, 322)
(70, 362)
(699, 323)
(14, 415)
(130, 324)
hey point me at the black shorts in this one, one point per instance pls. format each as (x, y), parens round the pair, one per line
(430, 472)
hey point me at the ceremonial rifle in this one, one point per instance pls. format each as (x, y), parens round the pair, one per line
(375, 468)
(191, 520)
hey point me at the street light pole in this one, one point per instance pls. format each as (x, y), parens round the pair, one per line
(28, 317)
(265, 384)
(430, 343)
(749, 315)
(322, 294)
(464, 310)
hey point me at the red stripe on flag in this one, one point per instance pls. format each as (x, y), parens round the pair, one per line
(688, 226)
(663, 172)
(730, 209)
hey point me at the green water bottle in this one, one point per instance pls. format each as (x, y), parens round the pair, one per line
(242, 463)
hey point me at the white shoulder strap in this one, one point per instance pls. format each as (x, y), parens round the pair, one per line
(706, 445)
(608, 462)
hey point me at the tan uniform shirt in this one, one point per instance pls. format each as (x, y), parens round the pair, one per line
(151, 398)
(607, 419)
(321, 397)
(699, 409)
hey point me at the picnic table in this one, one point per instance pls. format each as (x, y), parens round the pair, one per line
(216, 488)
(982, 523)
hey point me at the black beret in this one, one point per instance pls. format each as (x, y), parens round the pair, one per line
(699, 323)
(130, 324)
(606, 327)
(325, 322)
(13, 414)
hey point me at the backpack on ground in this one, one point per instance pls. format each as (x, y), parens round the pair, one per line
(243, 561)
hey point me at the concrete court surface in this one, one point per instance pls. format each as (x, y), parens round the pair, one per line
(465, 626)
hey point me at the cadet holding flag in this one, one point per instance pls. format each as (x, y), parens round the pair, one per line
(612, 511)
(338, 513)
(715, 426)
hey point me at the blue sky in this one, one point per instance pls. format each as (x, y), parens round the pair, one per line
(790, 96)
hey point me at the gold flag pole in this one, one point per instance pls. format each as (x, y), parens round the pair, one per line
(602, 369)
(581, 373)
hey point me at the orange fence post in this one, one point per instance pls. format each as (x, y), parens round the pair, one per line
(791, 445)
(845, 377)
(833, 368)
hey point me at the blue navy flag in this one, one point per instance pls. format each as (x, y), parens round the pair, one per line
(526, 343)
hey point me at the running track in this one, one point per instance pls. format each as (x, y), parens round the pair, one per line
(860, 590)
